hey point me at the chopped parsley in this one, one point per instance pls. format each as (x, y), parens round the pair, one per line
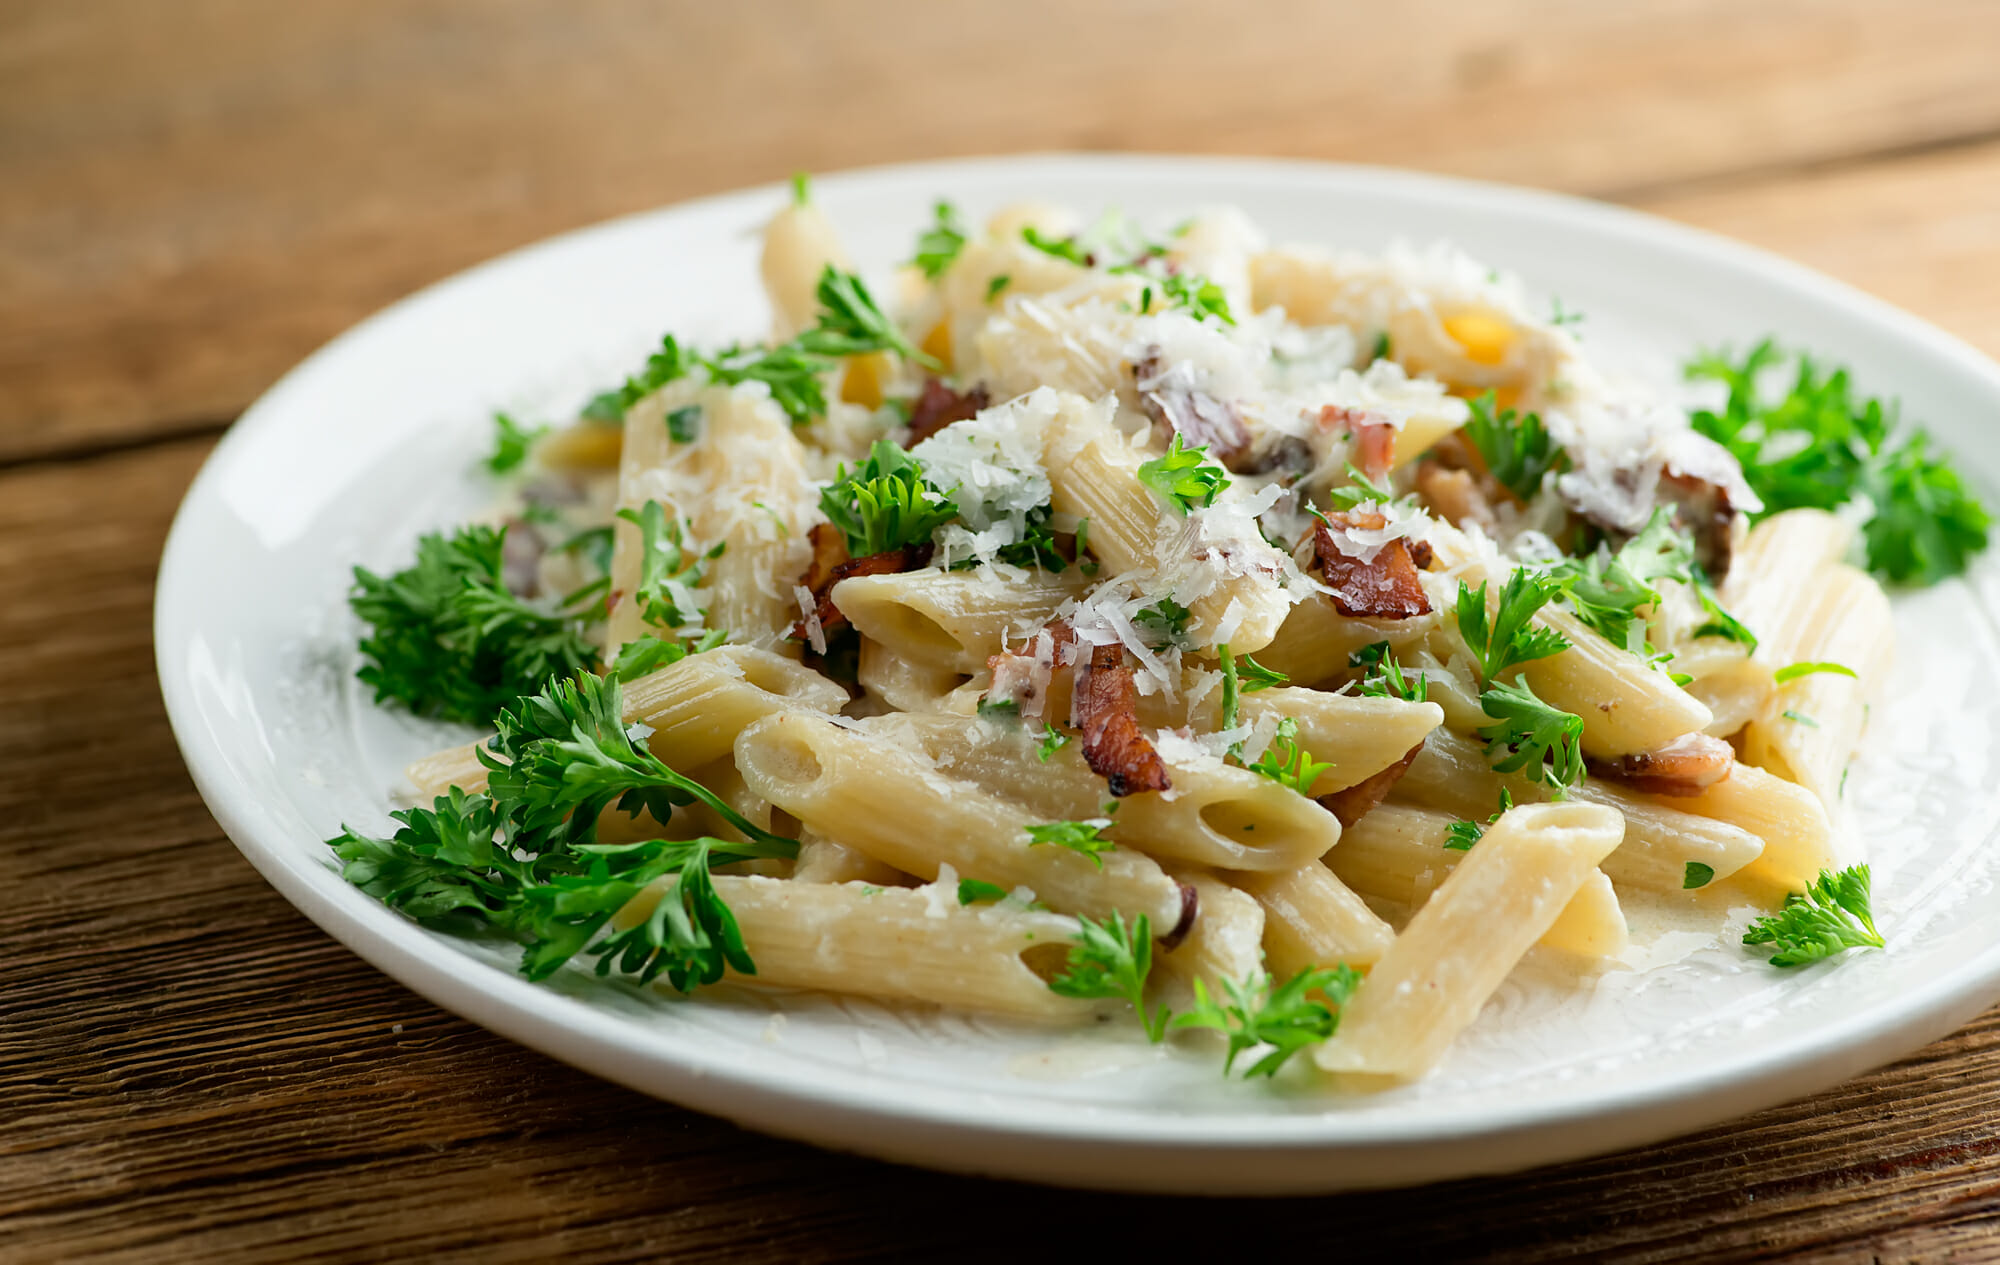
(1800, 718)
(447, 639)
(666, 565)
(1288, 763)
(645, 655)
(974, 891)
(1383, 677)
(1517, 449)
(1509, 639)
(1165, 622)
(885, 503)
(1819, 447)
(1084, 837)
(1793, 671)
(662, 367)
(1182, 478)
(1239, 677)
(1697, 875)
(1536, 739)
(1287, 1018)
(1113, 959)
(1052, 741)
(938, 245)
(1461, 835)
(684, 424)
(1360, 490)
(511, 442)
(1831, 916)
(995, 285)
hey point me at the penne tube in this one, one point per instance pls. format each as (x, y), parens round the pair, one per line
(799, 244)
(824, 861)
(1811, 725)
(903, 684)
(1774, 578)
(1214, 815)
(902, 944)
(1359, 736)
(1626, 706)
(1398, 853)
(1798, 839)
(953, 620)
(1094, 474)
(1451, 774)
(1312, 919)
(1316, 642)
(832, 778)
(1227, 940)
(694, 708)
(1431, 982)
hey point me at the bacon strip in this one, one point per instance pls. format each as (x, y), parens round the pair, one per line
(1374, 437)
(1357, 801)
(939, 406)
(1107, 706)
(1688, 765)
(1197, 417)
(830, 565)
(1385, 587)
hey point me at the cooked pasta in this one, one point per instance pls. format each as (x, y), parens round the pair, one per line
(1321, 629)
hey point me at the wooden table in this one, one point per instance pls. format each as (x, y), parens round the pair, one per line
(193, 196)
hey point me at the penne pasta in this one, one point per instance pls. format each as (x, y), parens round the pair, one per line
(1312, 919)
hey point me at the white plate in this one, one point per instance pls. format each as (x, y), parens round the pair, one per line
(372, 439)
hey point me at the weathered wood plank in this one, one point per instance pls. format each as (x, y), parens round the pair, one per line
(192, 197)
(191, 1071)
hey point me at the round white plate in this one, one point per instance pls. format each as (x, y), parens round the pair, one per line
(373, 439)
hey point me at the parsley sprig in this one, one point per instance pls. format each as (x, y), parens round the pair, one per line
(1240, 677)
(1462, 834)
(1083, 837)
(1819, 446)
(446, 638)
(1517, 449)
(938, 245)
(1287, 762)
(1112, 959)
(1831, 916)
(1182, 478)
(511, 442)
(885, 502)
(1287, 1018)
(665, 564)
(1532, 737)
(1383, 677)
(1509, 639)
(523, 858)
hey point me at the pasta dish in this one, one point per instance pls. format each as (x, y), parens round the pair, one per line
(1273, 645)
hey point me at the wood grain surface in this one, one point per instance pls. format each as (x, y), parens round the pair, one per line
(193, 196)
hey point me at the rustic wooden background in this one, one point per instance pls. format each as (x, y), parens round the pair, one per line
(194, 195)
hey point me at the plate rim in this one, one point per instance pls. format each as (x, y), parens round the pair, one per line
(940, 1128)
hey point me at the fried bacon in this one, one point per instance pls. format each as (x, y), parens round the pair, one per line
(1688, 765)
(1374, 437)
(939, 406)
(1384, 587)
(1107, 707)
(1178, 408)
(1353, 803)
(830, 565)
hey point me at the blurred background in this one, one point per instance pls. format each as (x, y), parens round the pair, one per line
(193, 195)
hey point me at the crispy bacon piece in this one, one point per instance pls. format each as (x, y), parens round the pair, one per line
(1353, 803)
(1374, 437)
(1385, 587)
(939, 406)
(1107, 707)
(830, 565)
(1177, 408)
(1688, 765)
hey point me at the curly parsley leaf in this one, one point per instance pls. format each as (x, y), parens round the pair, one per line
(1509, 639)
(1183, 478)
(643, 656)
(663, 366)
(666, 566)
(1536, 739)
(511, 442)
(1820, 447)
(1829, 917)
(1112, 959)
(1287, 1018)
(1461, 835)
(1383, 677)
(1052, 741)
(1357, 491)
(976, 891)
(1697, 875)
(1083, 837)
(885, 502)
(1288, 763)
(1517, 449)
(938, 245)
(1793, 671)
(446, 638)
